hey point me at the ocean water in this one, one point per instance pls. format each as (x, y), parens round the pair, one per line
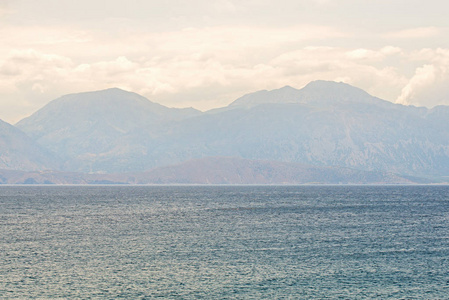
(224, 242)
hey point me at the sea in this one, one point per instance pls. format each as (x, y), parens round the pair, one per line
(224, 242)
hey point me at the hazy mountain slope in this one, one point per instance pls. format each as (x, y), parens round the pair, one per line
(216, 170)
(119, 109)
(19, 152)
(318, 93)
(323, 124)
(228, 170)
(58, 177)
(349, 128)
(100, 131)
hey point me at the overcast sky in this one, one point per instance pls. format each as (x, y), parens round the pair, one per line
(205, 54)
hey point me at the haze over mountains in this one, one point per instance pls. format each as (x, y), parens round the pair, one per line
(104, 131)
(18, 151)
(325, 124)
(217, 170)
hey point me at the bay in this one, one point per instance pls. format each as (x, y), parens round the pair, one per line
(224, 242)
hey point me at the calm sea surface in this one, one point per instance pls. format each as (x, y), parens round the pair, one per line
(224, 242)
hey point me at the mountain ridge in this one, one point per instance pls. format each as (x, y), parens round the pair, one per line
(18, 151)
(315, 93)
(85, 127)
(217, 170)
(323, 124)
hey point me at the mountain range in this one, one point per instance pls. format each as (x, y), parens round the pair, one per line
(19, 151)
(322, 127)
(217, 170)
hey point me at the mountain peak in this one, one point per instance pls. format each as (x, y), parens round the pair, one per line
(114, 89)
(107, 95)
(111, 91)
(286, 94)
(327, 84)
(286, 88)
(20, 152)
(111, 111)
(332, 89)
(316, 93)
(95, 106)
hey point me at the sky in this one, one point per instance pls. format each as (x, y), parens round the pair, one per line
(205, 54)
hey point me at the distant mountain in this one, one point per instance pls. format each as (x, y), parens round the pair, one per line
(324, 124)
(318, 93)
(217, 170)
(101, 131)
(229, 170)
(19, 152)
(58, 177)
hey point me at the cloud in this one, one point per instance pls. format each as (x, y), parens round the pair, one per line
(33, 66)
(19, 36)
(40, 63)
(360, 67)
(27, 78)
(200, 67)
(414, 33)
(204, 76)
(133, 41)
(429, 85)
(373, 55)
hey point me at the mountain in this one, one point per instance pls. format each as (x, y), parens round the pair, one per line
(58, 177)
(230, 170)
(323, 124)
(19, 152)
(216, 170)
(318, 93)
(101, 131)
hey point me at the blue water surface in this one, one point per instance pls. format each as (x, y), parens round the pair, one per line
(224, 242)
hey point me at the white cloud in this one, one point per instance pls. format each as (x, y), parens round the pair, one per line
(429, 85)
(373, 55)
(204, 77)
(424, 77)
(359, 67)
(200, 67)
(414, 33)
(164, 66)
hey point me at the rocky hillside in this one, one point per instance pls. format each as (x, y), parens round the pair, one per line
(20, 152)
(109, 130)
(216, 170)
(324, 124)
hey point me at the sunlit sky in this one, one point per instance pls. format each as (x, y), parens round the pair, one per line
(205, 54)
